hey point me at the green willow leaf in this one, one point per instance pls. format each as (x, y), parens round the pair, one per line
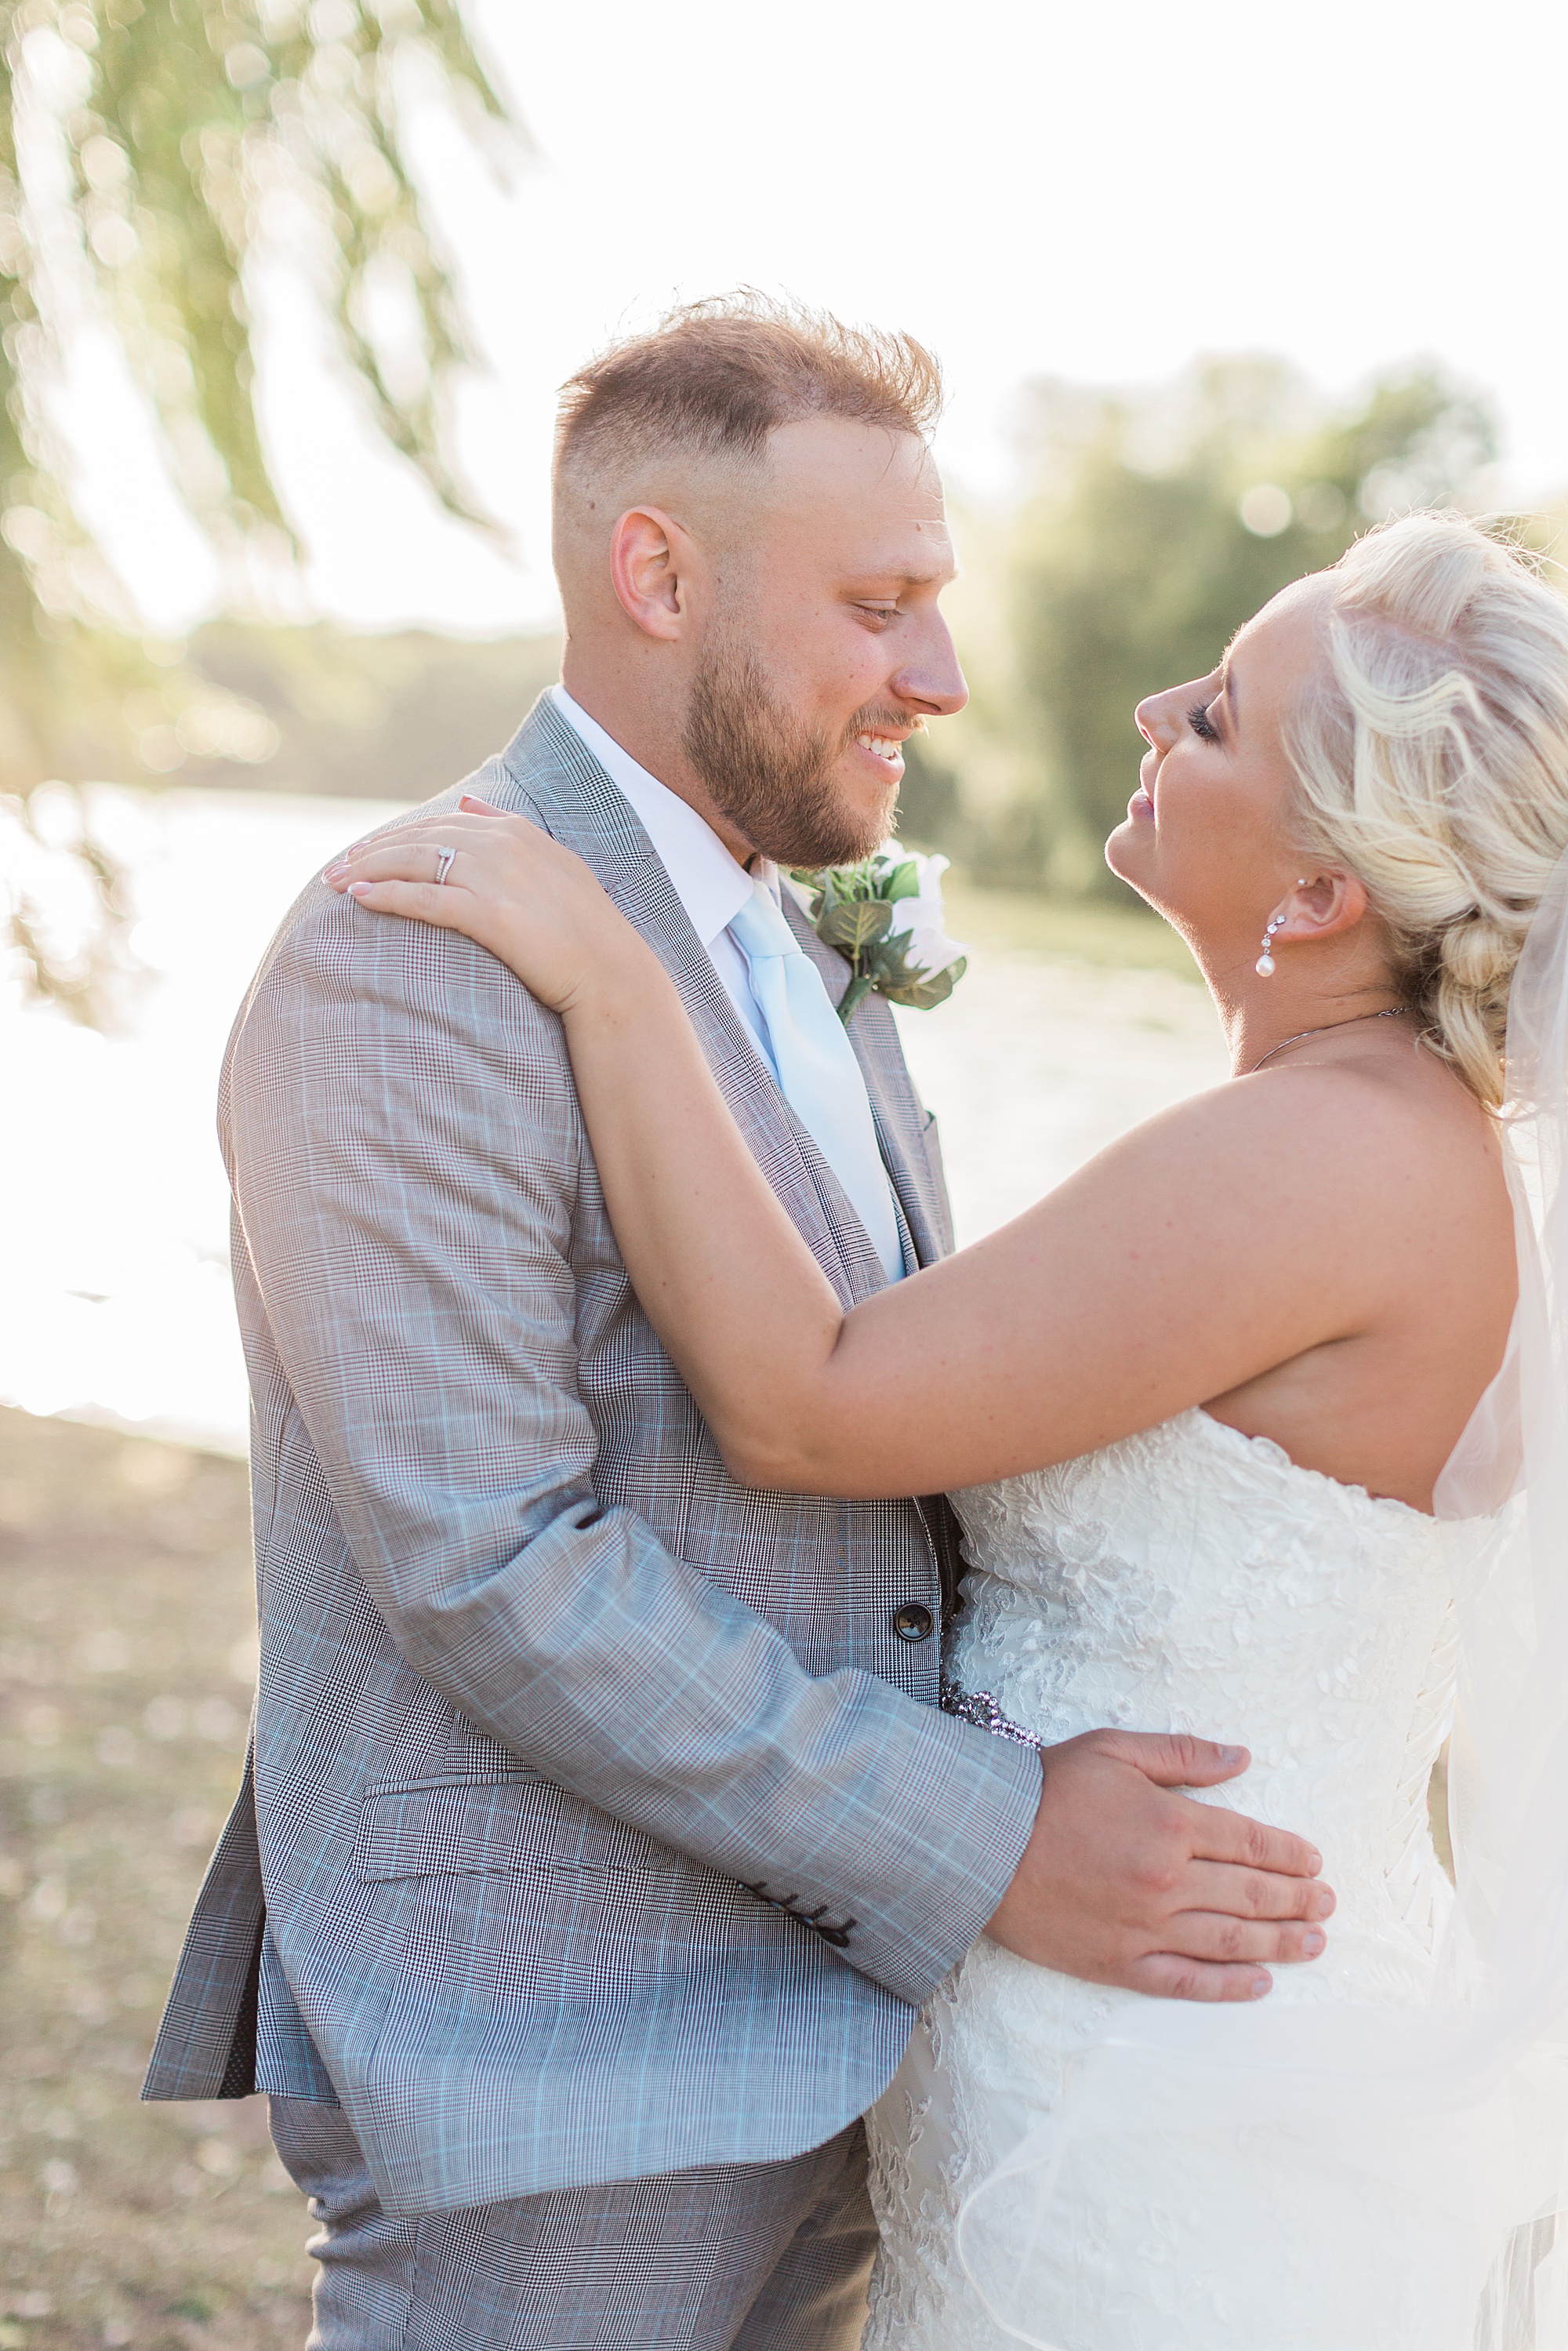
(201, 138)
(204, 136)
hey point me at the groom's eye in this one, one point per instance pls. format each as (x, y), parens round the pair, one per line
(880, 611)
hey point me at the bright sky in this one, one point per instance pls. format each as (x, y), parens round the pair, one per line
(1095, 193)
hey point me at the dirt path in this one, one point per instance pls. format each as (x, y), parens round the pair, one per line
(126, 1663)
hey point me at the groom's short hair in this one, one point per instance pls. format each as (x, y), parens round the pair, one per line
(715, 378)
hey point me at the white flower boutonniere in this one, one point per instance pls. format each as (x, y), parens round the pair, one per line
(884, 918)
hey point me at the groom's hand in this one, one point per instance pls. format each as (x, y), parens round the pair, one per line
(1126, 1882)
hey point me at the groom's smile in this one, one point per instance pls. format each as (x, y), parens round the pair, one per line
(888, 749)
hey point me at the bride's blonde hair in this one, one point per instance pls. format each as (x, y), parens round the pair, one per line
(1432, 759)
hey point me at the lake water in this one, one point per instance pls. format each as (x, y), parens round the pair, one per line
(112, 1194)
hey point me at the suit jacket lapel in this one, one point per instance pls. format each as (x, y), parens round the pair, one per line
(896, 1107)
(551, 768)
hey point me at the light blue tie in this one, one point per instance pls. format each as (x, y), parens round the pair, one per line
(816, 1068)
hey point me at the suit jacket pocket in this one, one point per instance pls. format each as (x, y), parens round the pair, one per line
(517, 1891)
(431, 1828)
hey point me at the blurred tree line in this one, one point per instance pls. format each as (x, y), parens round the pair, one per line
(1151, 524)
(326, 709)
(158, 157)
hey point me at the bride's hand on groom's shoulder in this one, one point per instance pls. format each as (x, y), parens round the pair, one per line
(1126, 1881)
(505, 884)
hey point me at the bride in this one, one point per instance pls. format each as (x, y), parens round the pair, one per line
(1228, 1424)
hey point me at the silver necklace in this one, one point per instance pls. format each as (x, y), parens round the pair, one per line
(1389, 1012)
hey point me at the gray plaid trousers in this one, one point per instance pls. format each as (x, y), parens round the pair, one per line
(597, 1823)
(731, 2257)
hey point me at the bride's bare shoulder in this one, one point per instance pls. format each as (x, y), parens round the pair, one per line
(1368, 1110)
(1361, 1145)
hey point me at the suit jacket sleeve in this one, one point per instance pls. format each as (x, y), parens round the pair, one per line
(406, 1154)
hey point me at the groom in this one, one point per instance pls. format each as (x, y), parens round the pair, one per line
(600, 1830)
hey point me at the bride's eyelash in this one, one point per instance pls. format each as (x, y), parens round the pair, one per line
(1199, 720)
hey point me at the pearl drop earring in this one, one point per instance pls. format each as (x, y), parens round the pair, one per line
(1264, 967)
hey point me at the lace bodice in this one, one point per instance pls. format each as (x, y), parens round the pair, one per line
(1186, 1579)
(1194, 1579)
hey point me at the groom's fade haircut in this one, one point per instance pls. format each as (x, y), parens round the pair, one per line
(714, 378)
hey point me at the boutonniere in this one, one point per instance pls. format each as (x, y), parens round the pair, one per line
(884, 918)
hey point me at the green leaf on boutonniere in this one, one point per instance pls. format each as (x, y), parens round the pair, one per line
(931, 988)
(894, 949)
(853, 925)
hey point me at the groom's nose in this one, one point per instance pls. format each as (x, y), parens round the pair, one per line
(929, 677)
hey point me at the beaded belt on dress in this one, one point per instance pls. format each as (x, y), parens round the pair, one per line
(979, 1706)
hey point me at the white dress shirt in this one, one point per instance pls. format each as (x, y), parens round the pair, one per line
(707, 880)
(712, 887)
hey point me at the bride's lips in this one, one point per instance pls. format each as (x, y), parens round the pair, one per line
(1141, 806)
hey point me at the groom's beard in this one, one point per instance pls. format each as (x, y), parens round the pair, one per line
(771, 776)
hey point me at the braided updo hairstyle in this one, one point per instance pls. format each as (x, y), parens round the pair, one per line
(1433, 761)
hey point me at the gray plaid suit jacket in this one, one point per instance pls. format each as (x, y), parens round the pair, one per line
(597, 1820)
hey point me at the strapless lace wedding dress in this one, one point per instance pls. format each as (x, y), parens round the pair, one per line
(1186, 1579)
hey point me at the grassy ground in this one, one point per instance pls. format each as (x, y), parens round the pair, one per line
(1114, 937)
(126, 1659)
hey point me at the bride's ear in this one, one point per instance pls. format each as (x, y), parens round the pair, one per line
(1321, 905)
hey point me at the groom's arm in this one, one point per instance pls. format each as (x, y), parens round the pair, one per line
(406, 1158)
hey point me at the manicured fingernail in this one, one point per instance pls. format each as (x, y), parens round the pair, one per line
(333, 872)
(360, 889)
(1314, 1943)
(1261, 1987)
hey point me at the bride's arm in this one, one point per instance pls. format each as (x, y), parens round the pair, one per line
(1151, 1281)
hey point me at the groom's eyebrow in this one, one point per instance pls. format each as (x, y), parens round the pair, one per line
(895, 578)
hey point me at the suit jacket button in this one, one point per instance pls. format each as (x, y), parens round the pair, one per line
(912, 1622)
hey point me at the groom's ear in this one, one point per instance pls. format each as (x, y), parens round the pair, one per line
(650, 562)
